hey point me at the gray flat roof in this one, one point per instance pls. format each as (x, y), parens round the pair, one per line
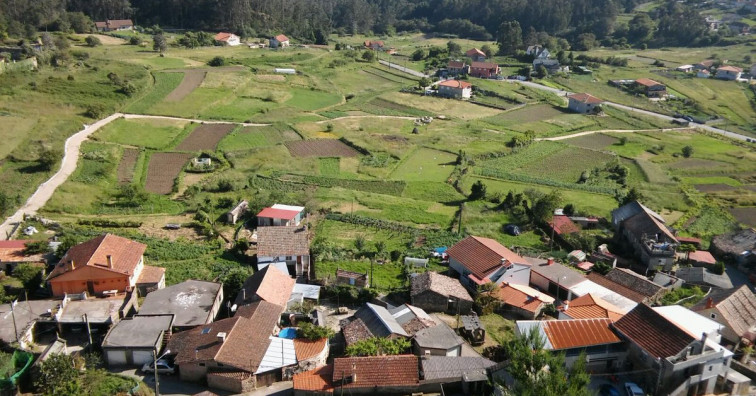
(25, 313)
(439, 336)
(191, 301)
(558, 273)
(100, 310)
(455, 367)
(139, 331)
(311, 292)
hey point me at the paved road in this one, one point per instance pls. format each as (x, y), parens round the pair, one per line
(562, 93)
(403, 69)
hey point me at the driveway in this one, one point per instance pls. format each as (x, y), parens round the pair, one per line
(403, 69)
(169, 384)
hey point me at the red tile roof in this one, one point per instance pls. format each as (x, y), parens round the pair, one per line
(522, 297)
(306, 349)
(13, 251)
(114, 23)
(652, 332)
(566, 334)
(223, 36)
(482, 256)
(702, 256)
(616, 287)
(278, 213)
(283, 241)
(455, 84)
(268, 284)
(586, 98)
(281, 38)
(563, 225)
(484, 65)
(589, 306)
(378, 371)
(456, 64)
(125, 254)
(315, 380)
(585, 265)
(475, 52)
(647, 82)
(151, 274)
(730, 69)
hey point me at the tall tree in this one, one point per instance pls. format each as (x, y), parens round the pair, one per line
(509, 37)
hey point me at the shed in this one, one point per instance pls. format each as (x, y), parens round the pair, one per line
(472, 329)
(132, 342)
(416, 262)
(238, 211)
(351, 278)
(285, 71)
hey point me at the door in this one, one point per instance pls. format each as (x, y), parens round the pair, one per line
(90, 288)
(116, 357)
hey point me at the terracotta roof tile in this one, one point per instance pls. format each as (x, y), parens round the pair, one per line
(482, 256)
(456, 64)
(306, 349)
(652, 332)
(283, 241)
(484, 65)
(278, 213)
(730, 69)
(441, 284)
(315, 380)
(13, 251)
(590, 306)
(616, 287)
(702, 256)
(281, 38)
(151, 274)
(269, 284)
(375, 371)
(475, 52)
(522, 297)
(455, 84)
(736, 306)
(647, 82)
(566, 334)
(223, 36)
(125, 254)
(585, 98)
(355, 331)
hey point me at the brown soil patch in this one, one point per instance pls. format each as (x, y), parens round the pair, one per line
(698, 163)
(192, 80)
(155, 228)
(394, 138)
(106, 40)
(706, 188)
(745, 215)
(596, 141)
(163, 170)
(205, 137)
(270, 77)
(320, 148)
(208, 69)
(126, 166)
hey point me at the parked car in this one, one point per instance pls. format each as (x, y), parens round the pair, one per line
(163, 367)
(608, 390)
(633, 389)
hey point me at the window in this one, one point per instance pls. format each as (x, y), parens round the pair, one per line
(205, 330)
(202, 364)
(713, 316)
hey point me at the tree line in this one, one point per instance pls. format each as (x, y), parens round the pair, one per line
(583, 23)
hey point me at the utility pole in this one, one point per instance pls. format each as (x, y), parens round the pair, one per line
(155, 371)
(13, 314)
(89, 330)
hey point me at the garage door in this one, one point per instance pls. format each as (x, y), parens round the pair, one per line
(142, 357)
(116, 357)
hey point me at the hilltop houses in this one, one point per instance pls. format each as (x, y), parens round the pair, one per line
(480, 260)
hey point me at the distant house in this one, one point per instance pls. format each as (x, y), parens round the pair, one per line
(521, 301)
(12, 253)
(636, 282)
(623, 291)
(280, 215)
(704, 65)
(455, 89)
(280, 41)
(481, 260)
(372, 320)
(603, 349)
(701, 258)
(538, 52)
(192, 302)
(290, 245)
(583, 103)
(456, 68)
(551, 65)
(651, 88)
(701, 276)
(733, 308)
(110, 25)
(134, 341)
(228, 354)
(703, 74)
(102, 264)
(561, 226)
(434, 292)
(554, 278)
(589, 307)
(357, 279)
(484, 69)
(647, 234)
(728, 73)
(229, 39)
(476, 55)
(685, 68)
(237, 212)
(676, 359)
(374, 45)
(737, 247)
(268, 284)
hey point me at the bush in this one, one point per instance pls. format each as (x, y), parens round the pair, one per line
(217, 61)
(28, 274)
(134, 40)
(93, 41)
(313, 332)
(95, 111)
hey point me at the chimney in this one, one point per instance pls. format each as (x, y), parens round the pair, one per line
(222, 337)
(354, 372)
(565, 305)
(709, 303)
(550, 261)
(73, 266)
(703, 341)
(110, 261)
(244, 294)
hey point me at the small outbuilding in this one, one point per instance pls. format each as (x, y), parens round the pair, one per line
(132, 342)
(434, 292)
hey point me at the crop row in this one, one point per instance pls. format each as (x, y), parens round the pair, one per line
(500, 174)
(518, 158)
(375, 186)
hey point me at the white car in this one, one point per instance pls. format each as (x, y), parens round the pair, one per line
(633, 389)
(163, 367)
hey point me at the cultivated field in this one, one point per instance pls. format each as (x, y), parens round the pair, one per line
(163, 170)
(191, 81)
(127, 164)
(426, 165)
(205, 137)
(320, 148)
(745, 215)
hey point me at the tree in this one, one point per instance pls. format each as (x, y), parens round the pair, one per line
(640, 29)
(418, 55)
(541, 71)
(313, 332)
(632, 195)
(30, 275)
(368, 56)
(487, 50)
(424, 82)
(375, 346)
(217, 61)
(132, 195)
(453, 48)
(542, 208)
(159, 42)
(687, 151)
(58, 376)
(477, 191)
(509, 37)
(93, 41)
(49, 158)
(234, 280)
(539, 372)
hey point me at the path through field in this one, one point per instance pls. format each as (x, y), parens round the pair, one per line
(555, 138)
(191, 81)
(366, 116)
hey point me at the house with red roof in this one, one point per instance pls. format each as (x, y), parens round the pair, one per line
(102, 264)
(376, 45)
(280, 215)
(456, 89)
(456, 68)
(589, 307)
(651, 88)
(583, 103)
(476, 55)
(484, 69)
(268, 284)
(364, 375)
(728, 73)
(110, 25)
(521, 301)
(280, 41)
(480, 260)
(12, 253)
(226, 38)
(701, 258)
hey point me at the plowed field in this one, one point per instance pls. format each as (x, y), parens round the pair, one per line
(320, 148)
(126, 166)
(163, 170)
(205, 137)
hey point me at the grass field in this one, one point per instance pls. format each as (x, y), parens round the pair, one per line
(426, 165)
(149, 133)
(165, 83)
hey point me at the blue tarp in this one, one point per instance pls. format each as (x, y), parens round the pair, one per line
(440, 250)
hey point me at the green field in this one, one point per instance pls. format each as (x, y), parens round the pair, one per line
(164, 84)
(150, 133)
(426, 165)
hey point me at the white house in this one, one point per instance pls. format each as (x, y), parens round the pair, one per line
(538, 52)
(110, 25)
(583, 103)
(227, 39)
(280, 215)
(684, 68)
(280, 41)
(455, 89)
(703, 74)
(482, 260)
(728, 73)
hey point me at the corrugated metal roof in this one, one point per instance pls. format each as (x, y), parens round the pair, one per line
(280, 353)
(308, 291)
(576, 333)
(589, 287)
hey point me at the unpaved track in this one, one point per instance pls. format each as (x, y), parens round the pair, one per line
(71, 153)
(555, 138)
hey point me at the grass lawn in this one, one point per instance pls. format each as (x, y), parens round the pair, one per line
(498, 328)
(150, 133)
(329, 166)
(309, 100)
(426, 165)
(164, 84)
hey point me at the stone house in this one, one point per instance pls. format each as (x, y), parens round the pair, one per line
(280, 41)
(344, 277)
(434, 292)
(289, 245)
(735, 309)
